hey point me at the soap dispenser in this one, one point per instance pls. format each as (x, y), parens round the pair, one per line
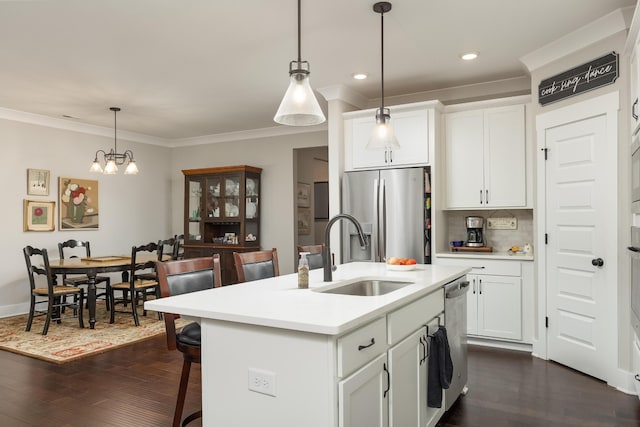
(303, 271)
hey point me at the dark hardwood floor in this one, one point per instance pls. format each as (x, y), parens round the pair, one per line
(136, 386)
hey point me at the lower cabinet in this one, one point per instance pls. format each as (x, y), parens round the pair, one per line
(363, 396)
(494, 306)
(391, 388)
(500, 299)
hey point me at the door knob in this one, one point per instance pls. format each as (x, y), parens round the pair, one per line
(597, 262)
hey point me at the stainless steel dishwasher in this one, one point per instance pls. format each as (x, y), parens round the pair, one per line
(455, 320)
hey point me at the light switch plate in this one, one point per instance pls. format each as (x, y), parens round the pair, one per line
(502, 223)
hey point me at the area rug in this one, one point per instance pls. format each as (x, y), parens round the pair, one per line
(66, 342)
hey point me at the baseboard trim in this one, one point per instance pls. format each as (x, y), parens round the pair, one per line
(506, 345)
(14, 309)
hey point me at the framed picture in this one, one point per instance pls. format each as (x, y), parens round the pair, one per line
(303, 195)
(38, 182)
(78, 204)
(304, 221)
(38, 215)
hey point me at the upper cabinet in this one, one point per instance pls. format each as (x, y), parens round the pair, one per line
(485, 158)
(413, 125)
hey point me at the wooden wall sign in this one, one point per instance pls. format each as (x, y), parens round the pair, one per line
(594, 74)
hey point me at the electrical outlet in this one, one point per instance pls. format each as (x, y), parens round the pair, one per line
(502, 223)
(262, 381)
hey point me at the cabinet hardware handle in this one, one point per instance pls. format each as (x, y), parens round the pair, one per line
(362, 347)
(597, 262)
(384, 366)
(478, 268)
(480, 196)
(385, 157)
(637, 377)
(474, 286)
(486, 196)
(480, 286)
(633, 109)
(390, 156)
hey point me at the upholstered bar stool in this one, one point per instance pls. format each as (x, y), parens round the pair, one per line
(256, 265)
(181, 277)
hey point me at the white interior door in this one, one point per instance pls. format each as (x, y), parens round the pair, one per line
(581, 224)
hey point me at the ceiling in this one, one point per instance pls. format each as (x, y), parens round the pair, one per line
(189, 68)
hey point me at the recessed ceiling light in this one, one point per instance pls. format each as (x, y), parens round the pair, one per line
(360, 76)
(469, 56)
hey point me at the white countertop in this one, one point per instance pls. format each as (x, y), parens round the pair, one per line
(485, 255)
(277, 302)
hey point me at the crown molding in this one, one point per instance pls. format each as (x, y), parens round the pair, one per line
(246, 135)
(343, 93)
(64, 124)
(606, 26)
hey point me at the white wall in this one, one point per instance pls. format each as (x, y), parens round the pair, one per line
(275, 156)
(613, 43)
(133, 209)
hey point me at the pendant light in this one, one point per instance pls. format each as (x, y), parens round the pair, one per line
(382, 136)
(299, 107)
(112, 159)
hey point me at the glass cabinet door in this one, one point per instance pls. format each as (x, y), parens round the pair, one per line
(193, 213)
(232, 196)
(252, 208)
(214, 197)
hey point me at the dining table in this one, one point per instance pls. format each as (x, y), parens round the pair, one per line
(93, 266)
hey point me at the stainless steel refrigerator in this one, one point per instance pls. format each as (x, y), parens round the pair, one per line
(393, 206)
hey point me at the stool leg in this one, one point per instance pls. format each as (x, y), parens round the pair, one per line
(182, 392)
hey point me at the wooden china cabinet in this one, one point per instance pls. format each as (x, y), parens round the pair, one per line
(222, 214)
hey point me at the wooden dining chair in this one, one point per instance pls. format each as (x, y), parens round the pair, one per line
(178, 249)
(256, 265)
(82, 279)
(181, 277)
(55, 296)
(135, 283)
(315, 255)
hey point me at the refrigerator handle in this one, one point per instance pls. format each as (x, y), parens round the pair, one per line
(382, 225)
(376, 220)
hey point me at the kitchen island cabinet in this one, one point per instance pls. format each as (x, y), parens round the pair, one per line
(275, 355)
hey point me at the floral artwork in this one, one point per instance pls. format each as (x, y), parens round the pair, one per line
(78, 204)
(38, 215)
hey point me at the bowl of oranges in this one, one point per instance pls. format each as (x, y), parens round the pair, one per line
(401, 264)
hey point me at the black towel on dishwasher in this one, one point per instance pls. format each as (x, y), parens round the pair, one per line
(440, 368)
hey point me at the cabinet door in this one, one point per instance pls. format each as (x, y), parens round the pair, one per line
(472, 305)
(463, 159)
(412, 131)
(408, 370)
(504, 157)
(193, 209)
(500, 307)
(358, 138)
(362, 397)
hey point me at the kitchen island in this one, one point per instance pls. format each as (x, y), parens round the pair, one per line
(275, 355)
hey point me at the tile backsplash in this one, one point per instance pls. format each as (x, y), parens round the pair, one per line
(500, 240)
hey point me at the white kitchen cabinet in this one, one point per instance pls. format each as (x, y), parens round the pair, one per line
(413, 126)
(499, 301)
(636, 363)
(363, 398)
(494, 306)
(392, 388)
(485, 163)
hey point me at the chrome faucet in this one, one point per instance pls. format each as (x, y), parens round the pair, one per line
(326, 259)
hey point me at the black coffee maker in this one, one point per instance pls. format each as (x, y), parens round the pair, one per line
(475, 231)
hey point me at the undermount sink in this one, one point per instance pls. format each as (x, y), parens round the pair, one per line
(367, 287)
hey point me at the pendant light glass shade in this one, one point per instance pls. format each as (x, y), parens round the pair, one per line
(382, 135)
(112, 159)
(299, 106)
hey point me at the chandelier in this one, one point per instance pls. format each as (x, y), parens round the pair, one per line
(113, 159)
